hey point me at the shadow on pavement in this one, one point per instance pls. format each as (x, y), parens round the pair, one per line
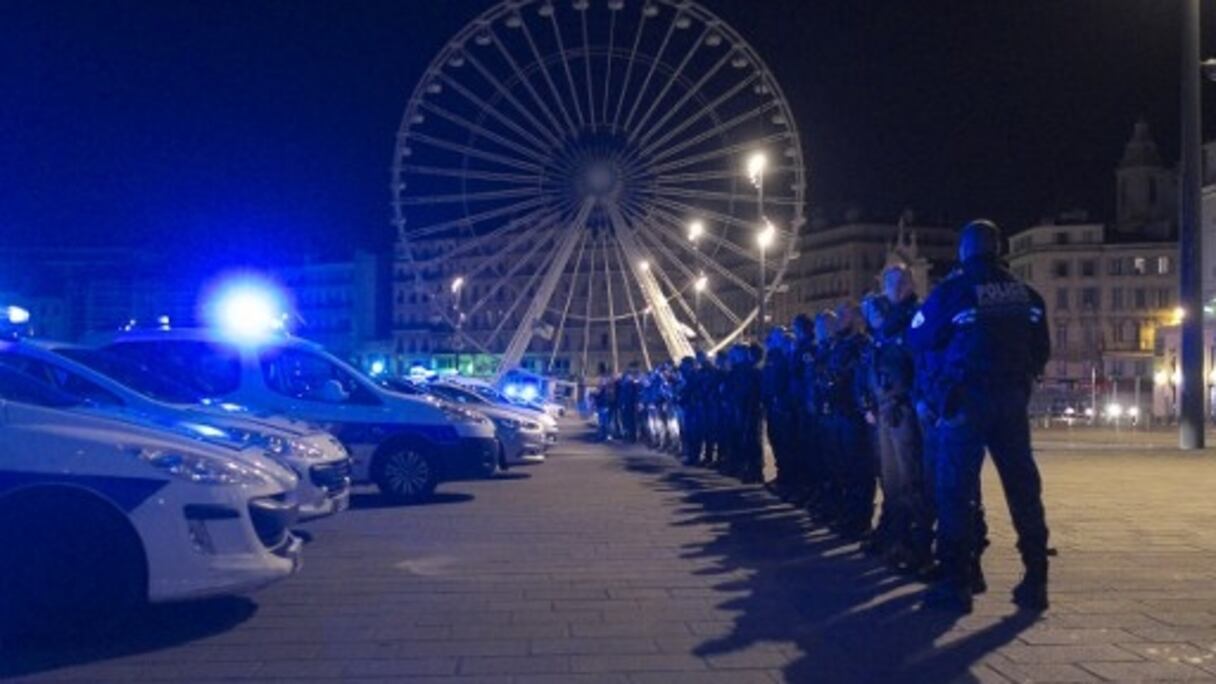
(373, 501)
(848, 617)
(154, 628)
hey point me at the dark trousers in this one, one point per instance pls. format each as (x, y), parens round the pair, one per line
(996, 420)
(692, 433)
(853, 466)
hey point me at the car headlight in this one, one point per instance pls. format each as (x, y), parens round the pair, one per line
(507, 423)
(532, 427)
(200, 469)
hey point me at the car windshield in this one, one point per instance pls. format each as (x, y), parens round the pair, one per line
(17, 386)
(457, 394)
(134, 375)
(399, 386)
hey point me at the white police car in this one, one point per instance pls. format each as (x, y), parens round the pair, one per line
(99, 515)
(484, 394)
(522, 437)
(112, 383)
(404, 445)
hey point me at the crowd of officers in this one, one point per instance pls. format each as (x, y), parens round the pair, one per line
(893, 395)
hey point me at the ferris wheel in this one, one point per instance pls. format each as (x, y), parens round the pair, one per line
(621, 177)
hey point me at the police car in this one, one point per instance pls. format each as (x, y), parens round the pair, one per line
(405, 446)
(522, 435)
(112, 383)
(483, 394)
(99, 515)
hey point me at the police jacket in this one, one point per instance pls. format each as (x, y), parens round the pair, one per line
(842, 374)
(894, 368)
(989, 328)
(775, 380)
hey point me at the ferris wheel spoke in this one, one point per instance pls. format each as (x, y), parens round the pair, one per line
(659, 237)
(665, 320)
(730, 314)
(675, 76)
(587, 310)
(468, 151)
(633, 56)
(728, 151)
(540, 301)
(535, 154)
(637, 319)
(471, 197)
(701, 195)
(616, 358)
(506, 94)
(587, 69)
(716, 175)
(561, 50)
(692, 92)
(714, 132)
(654, 63)
(607, 65)
(522, 77)
(470, 174)
(561, 324)
(544, 71)
(539, 236)
(474, 244)
(673, 224)
(648, 147)
(473, 219)
(508, 252)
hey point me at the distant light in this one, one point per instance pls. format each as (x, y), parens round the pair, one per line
(457, 283)
(16, 315)
(163, 322)
(529, 392)
(755, 167)
(1160, 378)
(1114, 410)
(1179, 315)
(1177, 377)
(701, 284)
(695, 230)
(1212, 376)
(765, 237)
(1134, 412)
(1070, 411)
(1089, 412)
(644, 265)
(377, 367)
(248, 310)
(511, 390)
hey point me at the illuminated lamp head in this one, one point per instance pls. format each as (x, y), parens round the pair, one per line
(528, 392)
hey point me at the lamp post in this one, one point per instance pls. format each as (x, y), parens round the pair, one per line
(756, 164)
(698, 287)
(458, 343)
(1190, 243)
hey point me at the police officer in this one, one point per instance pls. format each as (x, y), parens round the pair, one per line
(692, 421)
(852, 455)
(991, 328)
(802, 446)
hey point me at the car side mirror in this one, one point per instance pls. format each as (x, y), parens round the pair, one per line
(333, 392)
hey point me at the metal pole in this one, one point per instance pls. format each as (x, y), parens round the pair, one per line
(1139, 411)
(760, 309)
(1190, 237)
(1093, 393)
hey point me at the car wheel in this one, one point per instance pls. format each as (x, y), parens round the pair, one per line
(406, 474)
(71, 566)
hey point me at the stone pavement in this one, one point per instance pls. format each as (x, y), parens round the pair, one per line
(611, 564)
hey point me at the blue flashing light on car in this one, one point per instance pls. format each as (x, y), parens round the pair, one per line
(247, 311)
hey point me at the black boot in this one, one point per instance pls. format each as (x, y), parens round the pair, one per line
(1031, 592)
(949, 597)
(978, 584)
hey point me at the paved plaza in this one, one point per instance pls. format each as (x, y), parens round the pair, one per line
(613, 564)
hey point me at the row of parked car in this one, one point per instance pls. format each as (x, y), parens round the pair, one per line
(157, 465)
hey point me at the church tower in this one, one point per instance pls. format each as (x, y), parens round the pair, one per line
(1146, 202)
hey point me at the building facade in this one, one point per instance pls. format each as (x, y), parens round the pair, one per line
(340, 304)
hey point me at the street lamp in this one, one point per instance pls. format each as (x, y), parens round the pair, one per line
(695, 230)
(756, 164)
(698, 287)
(458, 343)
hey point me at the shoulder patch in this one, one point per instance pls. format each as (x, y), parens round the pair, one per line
(918, 320)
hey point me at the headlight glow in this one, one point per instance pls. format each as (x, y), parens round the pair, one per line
(507, 423)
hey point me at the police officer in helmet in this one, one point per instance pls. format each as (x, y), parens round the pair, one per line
(991, 329)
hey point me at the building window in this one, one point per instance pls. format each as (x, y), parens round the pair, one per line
(1163, 265)
(1061, 238)
(1090, 298)
(1141, 299)
(1140, 266)
(1164, 298)
(1114, 267)
(1116, 299)
(1062, 299)
(1062, 336)
(1117, 335)
(1059, 269)
(1089, 268)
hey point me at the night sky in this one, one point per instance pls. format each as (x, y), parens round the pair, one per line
(258, 131)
